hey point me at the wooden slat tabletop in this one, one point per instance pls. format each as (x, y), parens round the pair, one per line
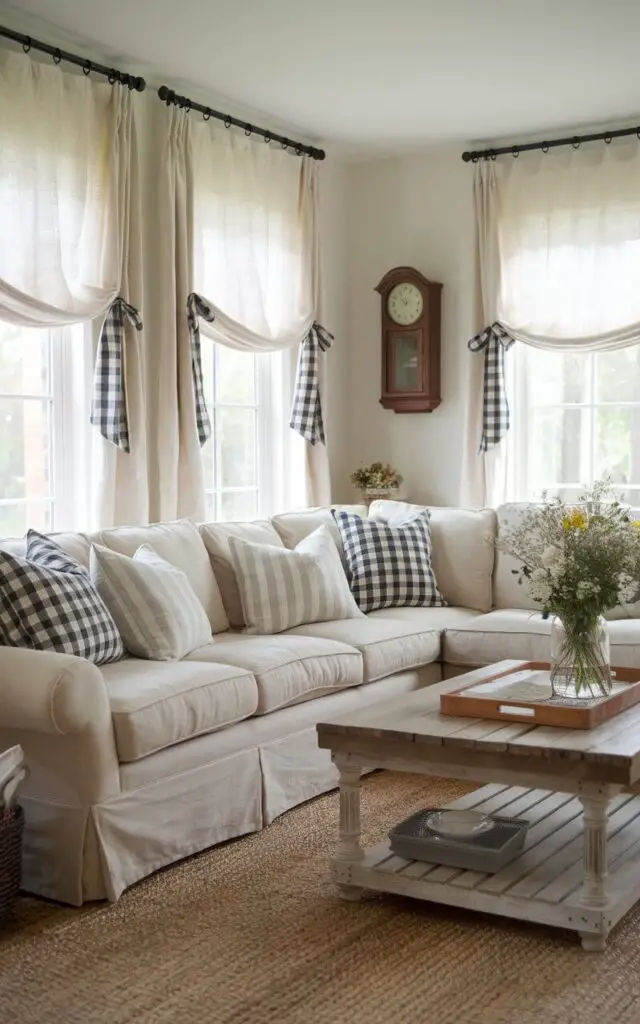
(416, 718)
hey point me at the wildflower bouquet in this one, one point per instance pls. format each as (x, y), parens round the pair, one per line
(579, 561)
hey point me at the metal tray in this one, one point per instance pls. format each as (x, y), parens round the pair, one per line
(489, 852)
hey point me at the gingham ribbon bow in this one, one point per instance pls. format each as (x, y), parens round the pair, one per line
(494, 342)
(109, 404)
(196, 307)
(306, 412)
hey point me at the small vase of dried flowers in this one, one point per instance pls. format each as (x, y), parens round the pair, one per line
(377, 481)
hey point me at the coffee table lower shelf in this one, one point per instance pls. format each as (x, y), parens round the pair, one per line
(544, 884)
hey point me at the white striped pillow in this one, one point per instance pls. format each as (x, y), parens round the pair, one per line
(154, 605)
(281, 588)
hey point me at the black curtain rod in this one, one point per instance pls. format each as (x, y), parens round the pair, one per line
(88, 66)
(527, 147)
(169, 97)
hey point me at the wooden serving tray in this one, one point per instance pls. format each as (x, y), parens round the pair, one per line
(491, 699)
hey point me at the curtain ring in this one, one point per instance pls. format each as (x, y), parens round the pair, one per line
(607, 139)
(492, 155)
(227, 121)
(206, 114)
(86, 67)
(576, 142)
(111, 77)
(248, 129)
(298, 150)
(187, 106)
(57, 56)
(475, 158)
(515, 152)
(27, 46)
(285, 143)
(267, 137)
(545, 147)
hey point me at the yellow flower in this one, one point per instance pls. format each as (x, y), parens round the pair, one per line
(636, 523)
(574, 520)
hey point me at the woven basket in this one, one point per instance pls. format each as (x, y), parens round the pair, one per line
(11, 829)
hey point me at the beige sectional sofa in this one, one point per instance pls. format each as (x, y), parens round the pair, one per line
(137, 763)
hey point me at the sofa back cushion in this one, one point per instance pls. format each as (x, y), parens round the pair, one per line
(462, 542)
(216, 540)
(75, 544)
(180, 544)
(293, 527)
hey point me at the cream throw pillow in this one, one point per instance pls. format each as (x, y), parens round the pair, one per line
(281, 588)
(154, 605)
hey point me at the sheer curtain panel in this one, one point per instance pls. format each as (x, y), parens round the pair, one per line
(67, 163)
(558, 257)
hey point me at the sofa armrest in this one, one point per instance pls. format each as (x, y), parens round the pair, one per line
(45, 692)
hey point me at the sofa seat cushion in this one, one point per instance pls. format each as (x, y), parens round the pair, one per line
(287, 669)
(519, 633)
(388, 643)
(157, 704)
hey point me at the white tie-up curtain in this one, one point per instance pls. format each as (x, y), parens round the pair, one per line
(558, 258)
(241, 241)
(67, 175)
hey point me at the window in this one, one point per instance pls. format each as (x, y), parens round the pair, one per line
(43, 389)
(575, 418)
(245, 459)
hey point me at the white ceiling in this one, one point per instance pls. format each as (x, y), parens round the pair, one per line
(376, 75)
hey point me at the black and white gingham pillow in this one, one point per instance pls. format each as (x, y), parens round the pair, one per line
(48, 603)
(389, 566)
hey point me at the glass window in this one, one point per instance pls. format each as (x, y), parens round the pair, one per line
(576, 418)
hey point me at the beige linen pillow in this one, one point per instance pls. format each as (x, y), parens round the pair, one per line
(281, 588)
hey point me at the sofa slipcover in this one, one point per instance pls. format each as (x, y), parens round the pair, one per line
(157, 703)
(387, 645)
(519, 633)
(287, 669)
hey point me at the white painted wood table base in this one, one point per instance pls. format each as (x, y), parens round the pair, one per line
(580, 867)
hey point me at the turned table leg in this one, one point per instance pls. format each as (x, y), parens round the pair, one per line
(595, 801)
(349, 849)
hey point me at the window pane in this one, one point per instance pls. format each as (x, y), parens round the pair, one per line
(237, 447)
(618, 375)
(16, 519)
(555, 448)
(618, 444)
(207, 358)
(236, 506)
(25, 456)
(24, 361)
(235, 376)
(557, 378)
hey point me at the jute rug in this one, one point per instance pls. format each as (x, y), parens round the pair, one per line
(253, 933)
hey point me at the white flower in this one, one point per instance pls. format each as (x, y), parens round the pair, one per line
(586, 589)
(550, 556)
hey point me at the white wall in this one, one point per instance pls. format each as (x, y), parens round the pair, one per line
(411, 211)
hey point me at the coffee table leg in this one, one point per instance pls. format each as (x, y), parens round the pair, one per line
(349, 849)
(595, 801)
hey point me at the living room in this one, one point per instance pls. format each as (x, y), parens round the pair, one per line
(319, 541)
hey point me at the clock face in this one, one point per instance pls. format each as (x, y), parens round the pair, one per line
(405, 303)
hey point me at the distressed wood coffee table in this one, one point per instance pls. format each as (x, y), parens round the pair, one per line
(580, 867)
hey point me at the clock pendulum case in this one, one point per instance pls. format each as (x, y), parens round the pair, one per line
(410, 341)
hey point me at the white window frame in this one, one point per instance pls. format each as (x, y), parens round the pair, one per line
(272, 450)
(70, 354)
(519, 439)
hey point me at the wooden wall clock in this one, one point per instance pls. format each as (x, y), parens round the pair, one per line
(410, 341)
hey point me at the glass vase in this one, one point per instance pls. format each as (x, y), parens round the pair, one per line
(580, 658)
